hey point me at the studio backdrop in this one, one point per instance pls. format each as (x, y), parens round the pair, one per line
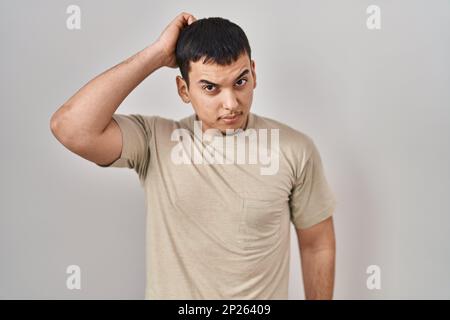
(367, 80)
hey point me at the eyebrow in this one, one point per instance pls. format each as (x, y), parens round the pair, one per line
(243, 73)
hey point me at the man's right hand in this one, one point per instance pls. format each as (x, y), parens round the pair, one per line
(167, 41)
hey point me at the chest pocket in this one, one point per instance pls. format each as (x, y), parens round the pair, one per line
(261, 223)
(241, 222)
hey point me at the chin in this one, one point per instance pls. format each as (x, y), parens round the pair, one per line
(236, 125)
(233, 126)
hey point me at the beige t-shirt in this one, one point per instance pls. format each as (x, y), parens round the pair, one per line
(219, 229)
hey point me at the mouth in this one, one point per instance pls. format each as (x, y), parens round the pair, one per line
(230, 119)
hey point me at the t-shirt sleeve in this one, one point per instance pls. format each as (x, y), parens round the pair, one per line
(136, 135)
(312, 200)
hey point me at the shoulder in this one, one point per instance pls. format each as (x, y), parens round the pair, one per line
(152, 122)
(167, 125)
(299, 142)
(144, 121)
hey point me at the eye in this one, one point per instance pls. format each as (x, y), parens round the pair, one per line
(243, 79)
(208, 86)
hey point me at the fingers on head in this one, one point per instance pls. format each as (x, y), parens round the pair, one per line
(188, 17)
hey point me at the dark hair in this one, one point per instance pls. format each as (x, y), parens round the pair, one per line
(216, 39)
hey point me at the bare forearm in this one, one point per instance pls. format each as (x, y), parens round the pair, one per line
(90, 110)
(318, 268)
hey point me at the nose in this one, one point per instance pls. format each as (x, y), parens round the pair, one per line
(230, 101)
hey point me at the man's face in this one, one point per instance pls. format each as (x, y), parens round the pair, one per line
(217, 92)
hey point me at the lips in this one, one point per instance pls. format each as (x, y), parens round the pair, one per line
(230, 117)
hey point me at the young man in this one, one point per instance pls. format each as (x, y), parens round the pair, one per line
(221, 185)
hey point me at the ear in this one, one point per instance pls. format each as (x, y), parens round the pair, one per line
(183, 90)
(253, 73)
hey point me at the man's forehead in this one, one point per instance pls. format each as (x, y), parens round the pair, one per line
(217, 73)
